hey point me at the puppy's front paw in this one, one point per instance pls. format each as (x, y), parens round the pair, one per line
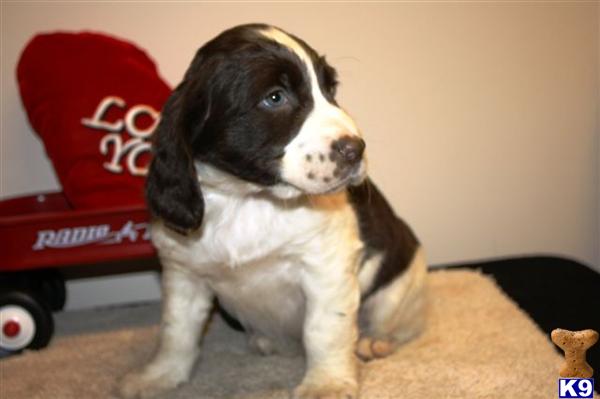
(328, 390)
(147, 384)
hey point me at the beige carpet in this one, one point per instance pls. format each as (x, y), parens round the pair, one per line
(478, 344)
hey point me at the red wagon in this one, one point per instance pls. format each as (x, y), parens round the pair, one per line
(40, 234)
(94, 107)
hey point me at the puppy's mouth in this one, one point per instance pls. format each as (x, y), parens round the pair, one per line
(352, 177)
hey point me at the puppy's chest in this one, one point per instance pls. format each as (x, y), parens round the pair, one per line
(238, 232)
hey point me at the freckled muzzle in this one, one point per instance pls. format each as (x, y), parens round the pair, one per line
(325, 166)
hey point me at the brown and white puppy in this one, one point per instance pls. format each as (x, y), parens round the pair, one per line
(259, 192)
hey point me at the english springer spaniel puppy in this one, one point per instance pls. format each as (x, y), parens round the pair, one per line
(260, 198)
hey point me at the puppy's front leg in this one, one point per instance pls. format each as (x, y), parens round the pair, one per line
(330, 333)
(187, 301)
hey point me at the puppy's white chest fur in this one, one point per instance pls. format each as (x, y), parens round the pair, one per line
(242, 230)
(254, 251)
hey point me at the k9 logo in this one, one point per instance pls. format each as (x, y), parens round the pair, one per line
(576, 388)
(129, 148)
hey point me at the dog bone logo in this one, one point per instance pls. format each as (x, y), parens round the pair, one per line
(575, 344)
(131, 148)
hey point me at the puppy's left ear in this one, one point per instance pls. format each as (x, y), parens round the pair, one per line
(172, 190)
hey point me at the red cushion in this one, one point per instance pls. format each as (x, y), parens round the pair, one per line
(93, 100)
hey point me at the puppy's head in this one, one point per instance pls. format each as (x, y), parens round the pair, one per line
(258, 104)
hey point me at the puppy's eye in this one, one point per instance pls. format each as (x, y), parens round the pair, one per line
(275, 99)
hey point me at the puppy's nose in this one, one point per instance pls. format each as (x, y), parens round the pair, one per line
(349, 149)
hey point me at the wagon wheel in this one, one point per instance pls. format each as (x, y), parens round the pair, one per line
(24, 322)
(52, 288)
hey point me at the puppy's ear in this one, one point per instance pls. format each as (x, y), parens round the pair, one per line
(172, 190)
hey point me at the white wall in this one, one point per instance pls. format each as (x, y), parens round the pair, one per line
(481, 119)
